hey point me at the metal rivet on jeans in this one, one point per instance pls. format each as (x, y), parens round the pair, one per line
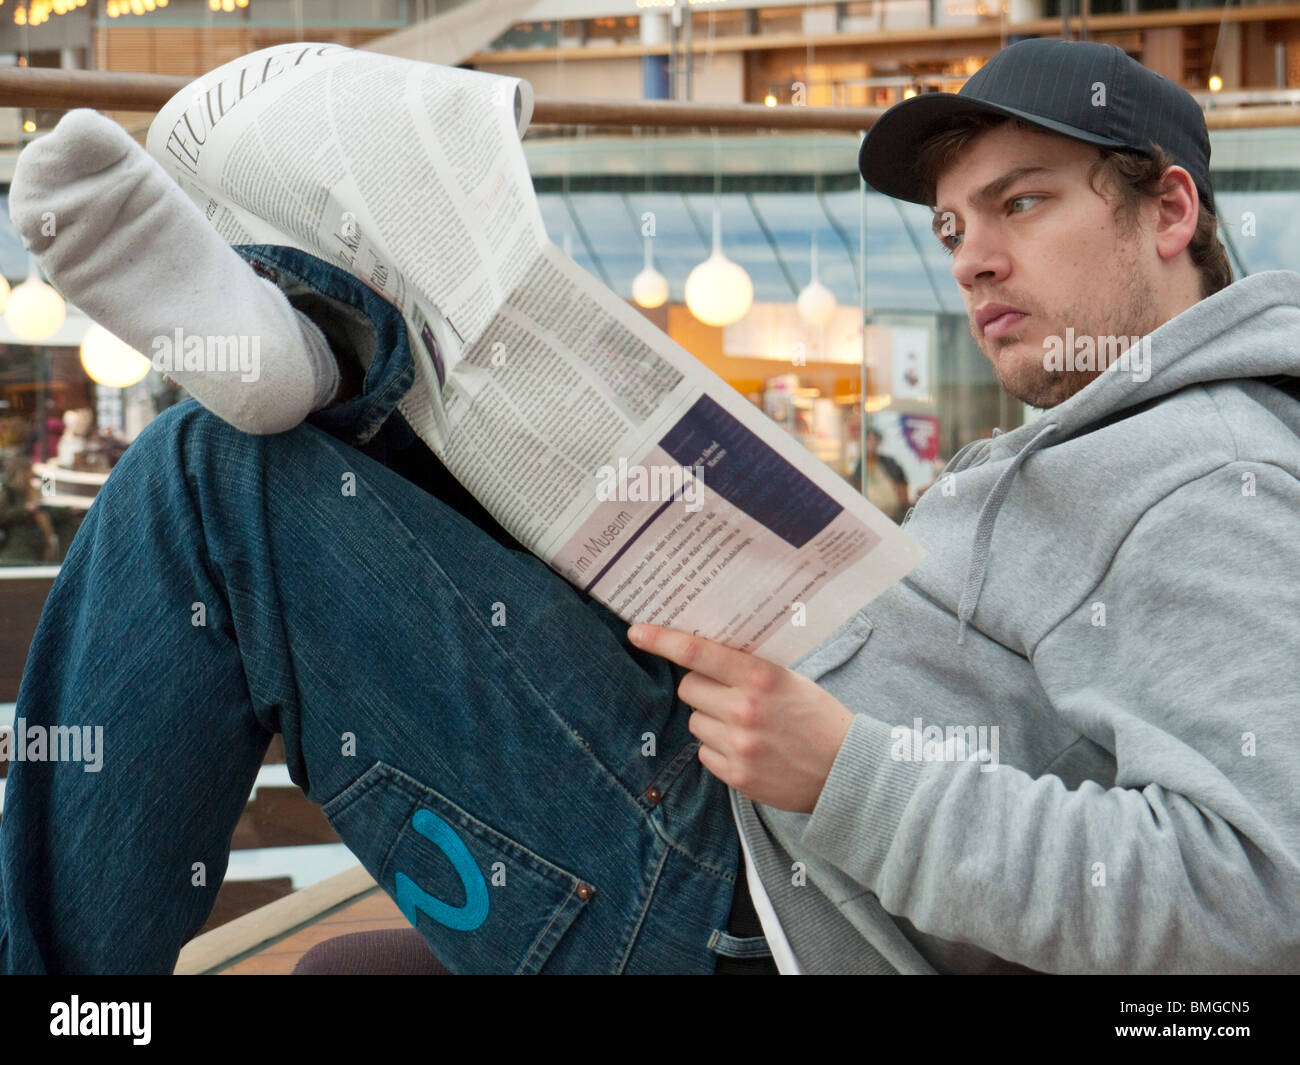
(653, 795)
(585, 891)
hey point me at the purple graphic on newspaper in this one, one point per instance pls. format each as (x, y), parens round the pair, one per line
(712, 531)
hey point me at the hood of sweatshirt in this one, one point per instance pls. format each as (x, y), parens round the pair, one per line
(1248, 330)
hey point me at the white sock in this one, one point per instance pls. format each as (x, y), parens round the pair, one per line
(120, 240)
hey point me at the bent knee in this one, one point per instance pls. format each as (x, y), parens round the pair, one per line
(189, 423)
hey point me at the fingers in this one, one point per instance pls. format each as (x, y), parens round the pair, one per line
(705, 694)
(712, 733)
(724, 664)
(715, 763)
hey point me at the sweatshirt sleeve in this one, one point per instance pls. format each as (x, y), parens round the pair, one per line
(1182, 663)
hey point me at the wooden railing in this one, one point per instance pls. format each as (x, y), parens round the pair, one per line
(110, 91)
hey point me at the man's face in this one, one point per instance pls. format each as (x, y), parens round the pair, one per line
(1031, 238)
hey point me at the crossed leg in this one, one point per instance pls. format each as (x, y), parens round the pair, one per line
(481, 735)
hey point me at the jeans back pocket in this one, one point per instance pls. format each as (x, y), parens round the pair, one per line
(483, 902)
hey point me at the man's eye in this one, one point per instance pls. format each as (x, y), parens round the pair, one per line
(950, 242)
(1022, 199)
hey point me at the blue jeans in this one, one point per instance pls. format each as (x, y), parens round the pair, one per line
(481, 735)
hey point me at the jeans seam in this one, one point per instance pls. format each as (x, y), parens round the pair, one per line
(669, 773)
(699, 863)
(218, 570)
(739, 947)
(526, 682)
(377, 772)
(682, 756)
(383, 773)
(519, 674)
(646, 899)
(332, 442)
(382, 397)
(541, 937)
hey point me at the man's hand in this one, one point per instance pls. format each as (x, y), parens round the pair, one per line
(764, 730)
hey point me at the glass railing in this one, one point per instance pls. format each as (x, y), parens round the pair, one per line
(889, 348)
(893, 345)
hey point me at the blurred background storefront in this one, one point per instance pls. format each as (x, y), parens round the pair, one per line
(854, 339)
(65, 417)
(832, 337)
(855, 322)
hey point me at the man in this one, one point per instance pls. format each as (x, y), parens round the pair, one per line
(1064, 743)
(886, 483)
(1055, 759)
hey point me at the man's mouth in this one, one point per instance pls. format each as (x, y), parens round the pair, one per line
(995, 320)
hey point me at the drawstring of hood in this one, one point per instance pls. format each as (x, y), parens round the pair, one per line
(979, 555)
(1236, 333)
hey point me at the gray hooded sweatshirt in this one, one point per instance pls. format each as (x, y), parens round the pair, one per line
(1076, 741)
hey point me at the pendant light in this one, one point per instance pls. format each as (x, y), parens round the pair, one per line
(109, 360)
(34, 311)
(650, 287)
(816, 302)
(718, 291)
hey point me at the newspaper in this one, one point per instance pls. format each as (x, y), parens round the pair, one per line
(598, 442)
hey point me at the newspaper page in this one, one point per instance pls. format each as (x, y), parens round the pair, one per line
(596, 440)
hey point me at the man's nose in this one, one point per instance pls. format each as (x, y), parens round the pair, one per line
(981, 256)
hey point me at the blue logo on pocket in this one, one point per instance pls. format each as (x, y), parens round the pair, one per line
(412, 899)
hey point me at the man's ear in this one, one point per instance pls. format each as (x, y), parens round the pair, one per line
(1176, 212)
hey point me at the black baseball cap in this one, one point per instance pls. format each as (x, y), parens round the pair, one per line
(1081, 89)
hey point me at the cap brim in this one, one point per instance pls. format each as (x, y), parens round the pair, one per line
(889, 153)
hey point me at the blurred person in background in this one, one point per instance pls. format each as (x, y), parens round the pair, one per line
(886, 484)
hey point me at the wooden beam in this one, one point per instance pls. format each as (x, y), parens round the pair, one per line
(66, 89)
(1252, 117)
(101, 89)
(701, 116)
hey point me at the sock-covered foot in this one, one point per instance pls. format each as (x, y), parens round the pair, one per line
(121, 240)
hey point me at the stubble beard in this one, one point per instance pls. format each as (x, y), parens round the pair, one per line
(1023, 375)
